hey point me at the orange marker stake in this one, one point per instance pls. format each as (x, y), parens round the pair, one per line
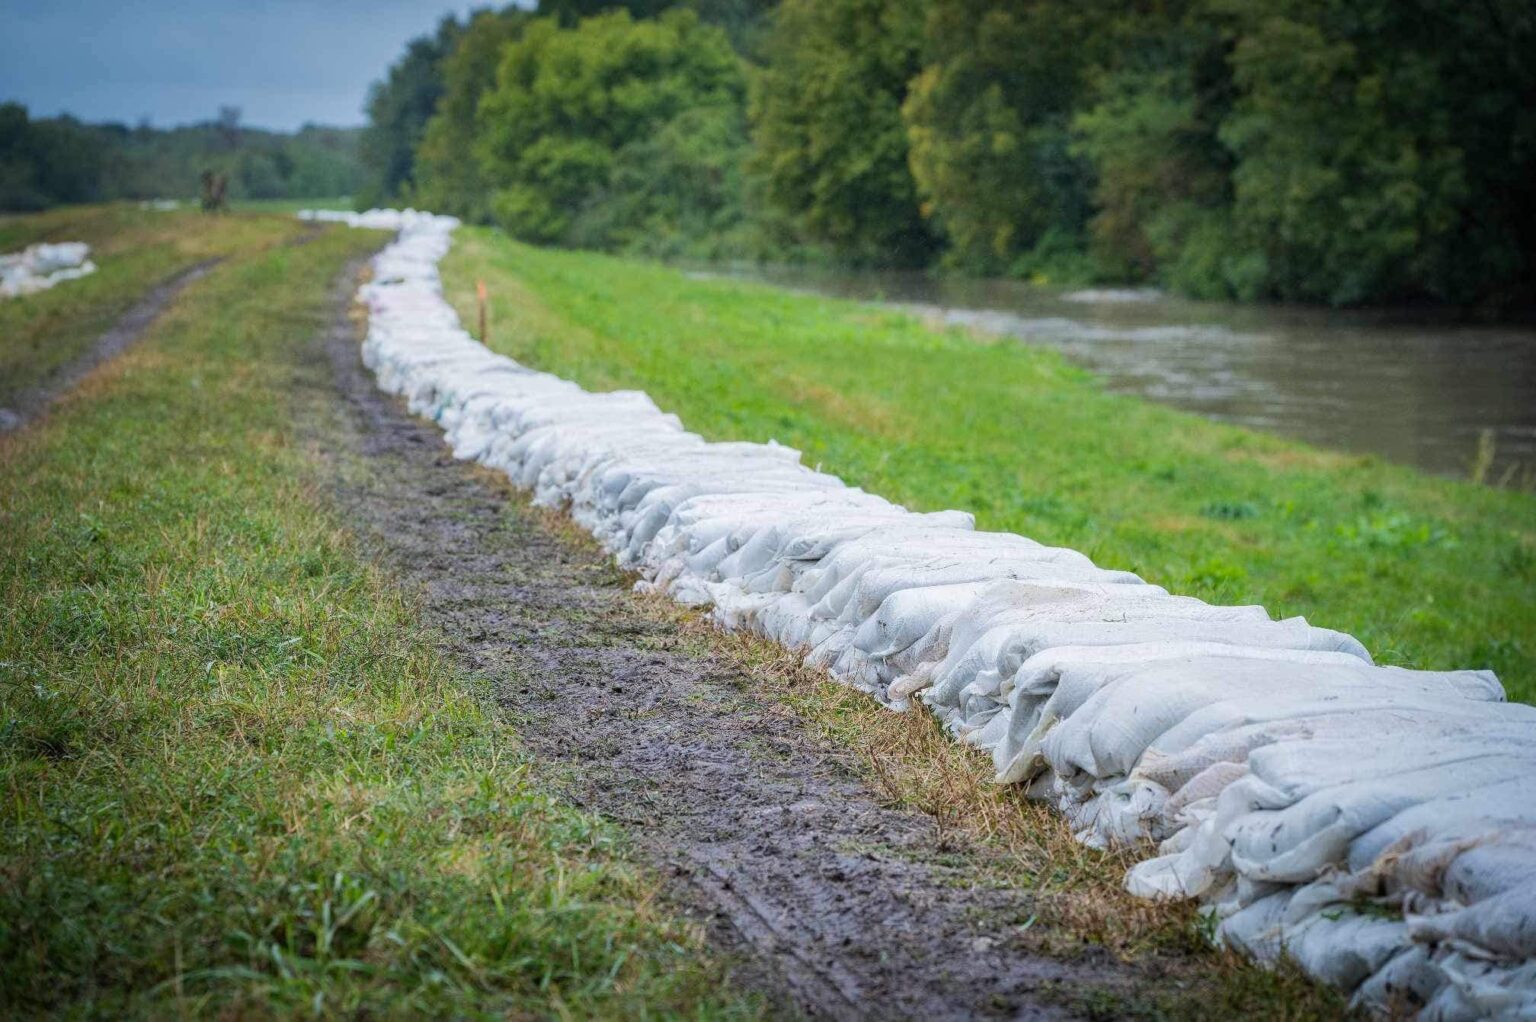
(480, 294)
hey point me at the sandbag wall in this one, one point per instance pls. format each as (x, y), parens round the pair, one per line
(1376, 824)
(39, 267)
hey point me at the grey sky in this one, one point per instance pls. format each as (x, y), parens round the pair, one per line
(283, 62)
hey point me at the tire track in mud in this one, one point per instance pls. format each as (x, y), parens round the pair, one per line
(118, 338)
(833, 904)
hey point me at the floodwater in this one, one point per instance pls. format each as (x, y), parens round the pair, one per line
(1404, 385)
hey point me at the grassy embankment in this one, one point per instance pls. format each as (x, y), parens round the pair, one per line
(1427, 572)
(236, 777)
(133, 250)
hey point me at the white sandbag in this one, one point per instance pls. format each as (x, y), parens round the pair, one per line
(1376, 825)
(42, 266)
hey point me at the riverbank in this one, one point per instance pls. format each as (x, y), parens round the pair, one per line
(1427, 572)
(1415, 386)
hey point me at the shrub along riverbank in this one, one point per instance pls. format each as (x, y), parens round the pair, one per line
(238, 778)
(1427, 572)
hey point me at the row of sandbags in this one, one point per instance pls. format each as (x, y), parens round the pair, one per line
(41, 266)
(375, 219)
(1376, 824)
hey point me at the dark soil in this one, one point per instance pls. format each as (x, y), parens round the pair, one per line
(833, 904)
(130, 326)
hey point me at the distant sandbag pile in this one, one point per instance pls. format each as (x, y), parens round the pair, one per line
(1374, 823)
(375, 219)
(39, 267)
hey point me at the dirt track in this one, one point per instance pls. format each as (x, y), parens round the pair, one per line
(123, 333)
(819, 895)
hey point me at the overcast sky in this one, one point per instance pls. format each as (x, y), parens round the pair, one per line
(283, 62)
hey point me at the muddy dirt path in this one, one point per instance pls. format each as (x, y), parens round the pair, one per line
(833, 904)
(130, 326)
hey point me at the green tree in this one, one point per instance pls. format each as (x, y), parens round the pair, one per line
(570, 105)
(570, 12)
(989, 120)
(61, 160)
(828, 139)
(676, 192)
(448, 179)
(1336, 150)
(19, 187)
(323, 162)
(1369, 150)
(744, 21)
(43, 163)
(1373, 140)
(1347, 173)
(399, 107)
(739, 18)
(1487, 56)
(1148, 128)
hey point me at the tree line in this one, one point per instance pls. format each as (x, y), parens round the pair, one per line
(1341, 151)
(57, 160)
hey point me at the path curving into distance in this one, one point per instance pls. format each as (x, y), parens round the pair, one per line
(128, 328)
(1376, 824)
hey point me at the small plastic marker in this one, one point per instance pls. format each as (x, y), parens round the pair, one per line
(480, 294)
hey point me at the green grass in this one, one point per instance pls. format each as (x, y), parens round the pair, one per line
(133, 250)
(1427, 572)
(235, 777)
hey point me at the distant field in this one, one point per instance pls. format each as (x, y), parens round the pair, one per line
(1427, 572)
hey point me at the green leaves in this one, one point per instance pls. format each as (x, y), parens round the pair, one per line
(828, 138)
(399, 107)
(578, 116)
(1312, 150)
(448, 178)
(987, 120)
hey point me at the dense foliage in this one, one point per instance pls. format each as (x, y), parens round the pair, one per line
(613, 131)
(398, 110)
(58, 160)
(1342, 151)
(827, 126)
(447, 178)
(989, 120)
(1374, 144)
(827, 129)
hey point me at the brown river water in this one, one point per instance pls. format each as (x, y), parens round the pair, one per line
(1407, 386)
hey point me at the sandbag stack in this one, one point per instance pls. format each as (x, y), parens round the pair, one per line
(1376, 824)
(41, 266)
